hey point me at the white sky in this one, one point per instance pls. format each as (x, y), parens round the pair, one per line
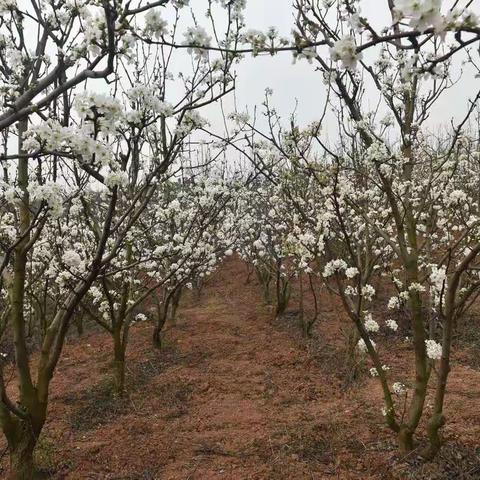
(301, 82)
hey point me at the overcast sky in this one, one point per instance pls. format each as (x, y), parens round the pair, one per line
(301, 82)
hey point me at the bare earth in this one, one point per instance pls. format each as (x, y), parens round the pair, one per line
(235, 395)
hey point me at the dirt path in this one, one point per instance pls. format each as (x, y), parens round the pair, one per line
(232, 396)
(259, 407)
(233, 420)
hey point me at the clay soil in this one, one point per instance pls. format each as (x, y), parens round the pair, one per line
(235, 394)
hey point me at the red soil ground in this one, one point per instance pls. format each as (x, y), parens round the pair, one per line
(235, 395)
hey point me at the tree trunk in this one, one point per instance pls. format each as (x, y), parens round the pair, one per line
(21, 448)
(119, 376)
(264, 278)
(437, 420)
(119, 364)
(79, 324)
(353, 362)
(311, 322)
(283, 294)
(198, 288)
(422, 371)
(301, 308)
(22, 434)
(21, 463)
(405, 440)
(174, 306)
(157, 331)
(157, 337)
(435, 441)
(162, 316)
(266, 292)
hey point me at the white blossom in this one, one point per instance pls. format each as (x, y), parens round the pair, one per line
(392, 324)
(71, 258)
(362, 346)
(155, 25)
(398, 388)
(140, 317)
(351, 272)
(370, 324)
(345, 51)
(434, 349)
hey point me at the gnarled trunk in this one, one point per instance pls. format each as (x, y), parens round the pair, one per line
(22, 439)
(21, 459)
(405, 440)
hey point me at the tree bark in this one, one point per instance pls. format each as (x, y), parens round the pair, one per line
(435, 441)
(79, 324)
(283, 294)
(353, 368)
(161, 319)
(21, 445)
(157, 340)
(174, 306)
(422, 371)
(22, 433)
(118, 364)
(405, 440)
